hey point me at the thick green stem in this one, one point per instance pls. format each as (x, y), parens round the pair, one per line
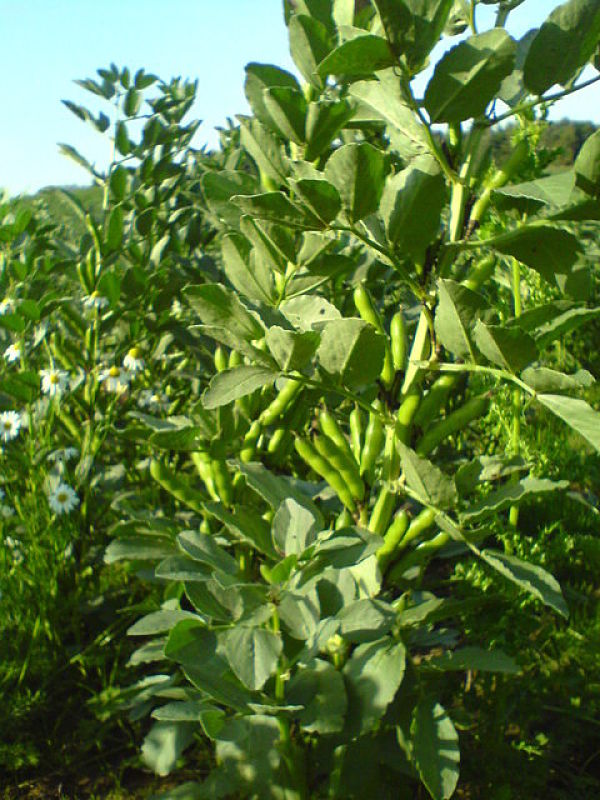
(516, 393)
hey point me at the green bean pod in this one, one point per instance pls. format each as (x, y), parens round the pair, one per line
(235, 359)
(250, 441)
(221, 360)
(418, 556)
(366, 309)
(374, 439)
(344, 464)
(435, 399)
(322, 467)
(399, 341)
(343, 519)
(498, 179)
(203, 463)
(382, 510)
(222, 480)
(392, 538)
(422, 522)
(406, 414)
(480, 273)
(176, 486)
(356, 432)
(457, 420)
(280, 403)
(330, 428)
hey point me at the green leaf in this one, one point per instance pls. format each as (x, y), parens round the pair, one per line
(299, 615)
(252, 653)
(359, 56)
(132, 102)
(357, 171)
(542, 247)
(294, 527)
(114, 235)
(412, 204)
(292, 350)
(287, 108)
(182, 711)
(508, 347)
(276, 207)
(246, 524)
(139, 548)
(457, 310)
(324, 120)
(309, 313)
(321, 198)
(577, 414)
(346, 547)
(274, 489)
(246, 749)
(231, 384)
(428, 481)
(161, 621)
(468, 77)
(190, 790)
(373, 675)
(530, 577)
(219, 187)
(510, 494)
(365, 620)
(310, 43)
(529, 196)
(385, 99)
(319, 687)
(181, 568)
(587, 165)
(563, 44)
(264, 148)
(475, 658)
(542, 379)
(435, 748)
(352, 351)
(273, 245)
(202, 547)
(164, 744)
(265, 76)
(218, 306)
(413, 27)
(205, 602)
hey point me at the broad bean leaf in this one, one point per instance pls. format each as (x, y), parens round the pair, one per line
(542, 247)
(530, 577)
(365, 620)
(229, 385)
(321, 198)
(294, 527)
(528, 197)
(385, 99)
(310, 43)
(275, 489)
(457, 310)
(358, 56)
(357, 171)
(202, 547)
(542, 379)
(252, 653)
(182, 711)
(412, 204)
(246, 748)
(264, 148)
(219, 187)
(428, 482)
(287, 108)
(299, 614)
(373, 675)
(310, 312)
(474, 658)
(139, 548)
(319, 687)
(160, 621)
(324, 120)
(250, 276)
(511, 494)
(587, 165)
(265, 76)
(563, 44)
(276, 207)
(468, 77)
(435, 748)
(164, 744)
(181, 568)
(351, 351)
(508, 347)
(578, 415)
(219, 307)
(413, 27)
(293, 350)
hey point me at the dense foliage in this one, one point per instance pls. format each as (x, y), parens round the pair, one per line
(322, 402)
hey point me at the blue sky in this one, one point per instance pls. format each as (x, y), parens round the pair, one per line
(46, 44)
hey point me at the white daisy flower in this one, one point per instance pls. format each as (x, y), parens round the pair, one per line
(54, 381)
(149, 398)
(115, 379)
(6, 511)
(133, 361)
(63, 499)
(66, 454)
(95, 300)
(10, 424)
(6, 306)
(13, 353)
(176, 308)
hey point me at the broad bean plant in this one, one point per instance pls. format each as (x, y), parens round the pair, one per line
(336, 299)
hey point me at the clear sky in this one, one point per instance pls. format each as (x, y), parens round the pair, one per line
(46, 44)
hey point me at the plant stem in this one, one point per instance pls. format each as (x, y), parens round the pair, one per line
(516, 394)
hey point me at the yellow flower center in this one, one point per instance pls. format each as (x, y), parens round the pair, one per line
(7, 426)
(114, 372)
(134, 352)
(54, 377)
(62, 497)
